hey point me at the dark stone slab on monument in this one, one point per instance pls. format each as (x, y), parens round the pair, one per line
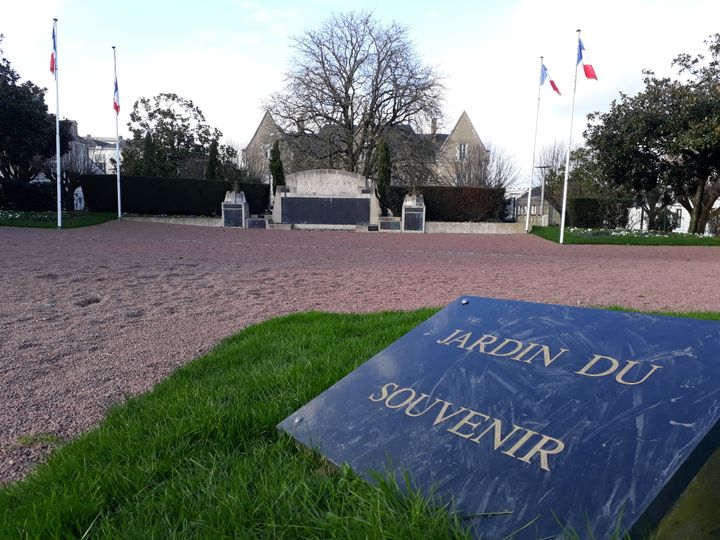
(233, 215)
(326, 210)
(256, 223)
(414, 219)
(413, 213)
(532, 417)
(390, 224)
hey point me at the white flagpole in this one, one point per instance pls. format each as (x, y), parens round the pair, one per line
(567, 157)
(117, 143)
(532, 170)
(57, 130)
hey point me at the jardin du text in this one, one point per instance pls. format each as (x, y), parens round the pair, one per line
(625, 372)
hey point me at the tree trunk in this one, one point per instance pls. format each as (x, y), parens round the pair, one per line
(652, 215)
(697, 209)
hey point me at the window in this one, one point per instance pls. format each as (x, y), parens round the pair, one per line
(462, 151)
(533, 210)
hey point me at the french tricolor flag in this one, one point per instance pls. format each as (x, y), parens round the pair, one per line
(582, 57)
(53, 55)
(116, 99)
(545, 75)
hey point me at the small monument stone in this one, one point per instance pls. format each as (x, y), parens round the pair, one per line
(413, 213)
(235, 209)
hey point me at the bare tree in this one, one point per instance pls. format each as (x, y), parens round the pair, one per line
(413, 158)
(469, 170)
(502, 168)
(350, 82)
(550, 161)
(479, 166)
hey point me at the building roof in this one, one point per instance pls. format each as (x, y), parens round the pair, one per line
(267, 117)
(536, 191)
(463, 116)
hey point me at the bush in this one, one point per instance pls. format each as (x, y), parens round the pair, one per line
(22, 196)
(169, 196)
(451, 203)
(595, 213)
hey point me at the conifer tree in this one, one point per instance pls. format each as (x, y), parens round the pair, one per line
(276, 166)
(384, 168)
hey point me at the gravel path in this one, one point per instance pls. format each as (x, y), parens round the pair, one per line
(91, 316)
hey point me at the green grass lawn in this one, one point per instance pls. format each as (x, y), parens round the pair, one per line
(621, 237)
(199, 456)
(48, 220)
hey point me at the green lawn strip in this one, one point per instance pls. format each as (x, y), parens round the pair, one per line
(629, 238)
(200, 455)
(48, 220)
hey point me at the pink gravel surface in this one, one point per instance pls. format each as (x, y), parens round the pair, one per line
(91, 316)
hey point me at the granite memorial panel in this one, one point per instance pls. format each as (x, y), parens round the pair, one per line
(530, 418)
(326, 210)
(414, 219)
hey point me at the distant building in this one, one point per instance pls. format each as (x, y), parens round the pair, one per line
(455, 157)
(543, 214)
(678, 216)
(102, 151)
(256, 155)
(460, 156)
(86, 155)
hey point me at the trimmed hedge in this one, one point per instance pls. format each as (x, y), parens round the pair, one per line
(594, 213)
(23, 196)
(451, 203)
(170, 196)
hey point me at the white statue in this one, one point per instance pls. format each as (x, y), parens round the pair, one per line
(79, 198)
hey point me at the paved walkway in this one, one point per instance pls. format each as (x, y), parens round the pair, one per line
(91, 316)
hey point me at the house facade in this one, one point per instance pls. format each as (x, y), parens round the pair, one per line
(456, 158)
(542, 212)
(680, 219)
(256, 155)
(461, 157)
(85, 155)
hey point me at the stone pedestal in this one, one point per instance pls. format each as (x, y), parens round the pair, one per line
(413, 214)
(235, 209)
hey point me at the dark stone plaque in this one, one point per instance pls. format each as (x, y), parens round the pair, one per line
(233, 215)
(326, 210)
(532, 417)
(256, 223)
(387, 225)
(413, 219)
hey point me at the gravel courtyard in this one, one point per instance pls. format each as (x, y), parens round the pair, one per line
(91, 316)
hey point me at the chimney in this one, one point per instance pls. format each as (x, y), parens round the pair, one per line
(433, 130)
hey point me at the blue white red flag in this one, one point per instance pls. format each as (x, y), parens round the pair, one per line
(545, 75)
(53, 55)
(116, 99)
(582, 57)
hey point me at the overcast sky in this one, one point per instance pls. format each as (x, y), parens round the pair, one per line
(229, 55)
